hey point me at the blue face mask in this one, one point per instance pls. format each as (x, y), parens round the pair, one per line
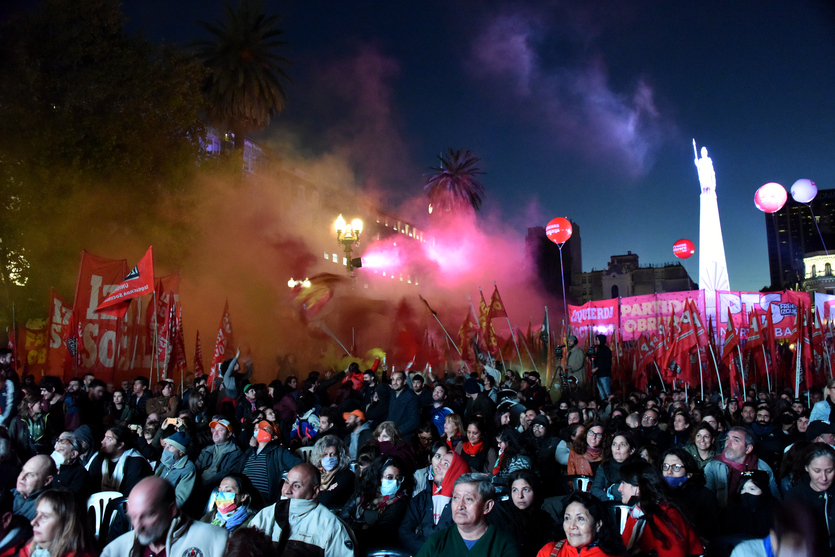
(675, 482)
(329, 462)
(168, 458)
(389, 487)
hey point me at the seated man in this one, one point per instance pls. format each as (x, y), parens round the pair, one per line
(160, 529)
(176, 468)
(71, 472)
(725, 470)
(221, 458)
(118, 466)
(299, 522)
(15, 531)
(471, 535)
(35, 478)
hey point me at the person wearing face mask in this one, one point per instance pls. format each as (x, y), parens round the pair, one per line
(687, 484)
(71, 472)
(265, 463)
(379, 504)
(330, 456)
(233, 503)
(175, 467)
(655, 523)
(750, 514)
(430, 511)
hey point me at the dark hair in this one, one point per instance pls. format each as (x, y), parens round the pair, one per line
(369, 482)
(653, 492)
(630, 440)
(249, 542)
(531, 477)
(97, 383)
(52, 384)
(508, 435)
(690, 465)
(581, 444)
(608, 538)
(817, 450)
(707, 427)
(122, 435)
(142, 380)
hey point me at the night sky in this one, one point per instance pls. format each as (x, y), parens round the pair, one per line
(579, 109)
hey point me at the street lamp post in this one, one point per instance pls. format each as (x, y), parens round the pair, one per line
(348, 236)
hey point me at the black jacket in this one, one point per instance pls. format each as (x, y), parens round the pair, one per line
(136, 468)
(419, 523)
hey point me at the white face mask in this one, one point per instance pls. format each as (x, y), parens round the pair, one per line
(58, 458)
(329, 462)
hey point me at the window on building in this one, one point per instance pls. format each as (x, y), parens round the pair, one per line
(814, 271)
(827, 270)
(615, 291)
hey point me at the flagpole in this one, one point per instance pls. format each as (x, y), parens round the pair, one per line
(742, 374)
(658, 369)
(701, 378)
(333, 336)
(447, 334)
(718, 377)
(156, 339)
(797, 369)
(765, 361)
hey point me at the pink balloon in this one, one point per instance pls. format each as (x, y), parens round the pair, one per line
(559, 230)
(684, 248)
(770, 198)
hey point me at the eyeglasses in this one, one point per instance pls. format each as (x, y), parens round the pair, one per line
(649, 418)
(593, 434)
(674, 467)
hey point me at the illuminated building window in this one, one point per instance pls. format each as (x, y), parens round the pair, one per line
(334, 258)
(406, 228)
(397, 226)
(345, 261)
(814, 270)
(327, 256)
(827, 269)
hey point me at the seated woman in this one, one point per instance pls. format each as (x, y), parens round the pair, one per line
(607, 479)
(511, 456)
(687, 482)
(453, 431)
(330, 456)
(816, 491)
(587, 452)
(60, 528)
(655, 523)
(521, 516)
(477, 450)
(164, 402)
(430, 510)
(589, 531)
(379, 504)
(426, 475)
(702, 446)
(681, 429)
(391, 443)
(235, 502)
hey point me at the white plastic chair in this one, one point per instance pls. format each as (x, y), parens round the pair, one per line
(97, 503)
(304, 453)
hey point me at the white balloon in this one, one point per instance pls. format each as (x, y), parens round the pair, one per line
(804, 191)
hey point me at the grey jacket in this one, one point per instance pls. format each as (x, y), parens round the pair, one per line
(716, 474)
(184, 539)
(182, 476)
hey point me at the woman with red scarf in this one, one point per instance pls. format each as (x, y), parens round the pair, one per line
(476, 451)
(587, 452)
(430, 510)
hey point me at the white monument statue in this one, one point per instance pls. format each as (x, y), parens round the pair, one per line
(713, 269)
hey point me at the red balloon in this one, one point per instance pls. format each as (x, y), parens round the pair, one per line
(683, 248)
(559, 230)
(770, 198)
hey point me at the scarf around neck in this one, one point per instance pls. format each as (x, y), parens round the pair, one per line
(471, 449)
(735, 469)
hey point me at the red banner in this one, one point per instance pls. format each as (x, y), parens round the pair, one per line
(642, 314)
(57, 355)
(602, 316)
(32, 347)
(224, 346)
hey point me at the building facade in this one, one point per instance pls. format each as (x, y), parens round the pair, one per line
(792, 236)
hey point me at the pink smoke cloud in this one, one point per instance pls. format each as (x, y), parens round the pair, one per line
(573, 103)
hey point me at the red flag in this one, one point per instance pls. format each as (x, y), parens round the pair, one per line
(468, 329)
(198, 357)
(731, 339)
(222, 346)
(426, 304)
(755, 334)
(701, 336)
(138, 282)
(312, 298)
(484, 320)
(497, 308)
(179, 342)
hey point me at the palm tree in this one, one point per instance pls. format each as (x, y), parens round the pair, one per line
(454, 185)
(244, 87)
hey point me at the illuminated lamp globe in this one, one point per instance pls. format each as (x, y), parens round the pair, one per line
(770, 198)
(559, 230)
(804, 191)
(683, 248)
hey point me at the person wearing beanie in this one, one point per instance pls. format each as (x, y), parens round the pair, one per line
(479, 403)
(175, 467)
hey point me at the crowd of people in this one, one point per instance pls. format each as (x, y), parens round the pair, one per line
(349, 463)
